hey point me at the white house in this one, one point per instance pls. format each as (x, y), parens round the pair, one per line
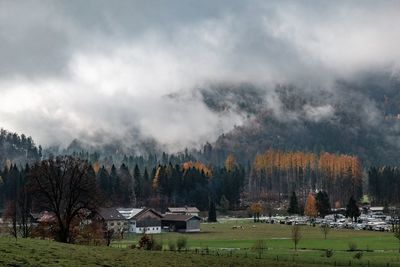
(128, 214)
(142, 220)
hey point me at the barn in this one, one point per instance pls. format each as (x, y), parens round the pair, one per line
(181, 223)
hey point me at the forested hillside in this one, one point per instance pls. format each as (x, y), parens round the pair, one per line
(360, 118)
(18, 149)
(293, 140)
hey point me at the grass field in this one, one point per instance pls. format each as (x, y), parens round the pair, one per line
(217, 245)
(378, 248)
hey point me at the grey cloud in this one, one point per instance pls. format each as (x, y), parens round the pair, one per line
(102, 68)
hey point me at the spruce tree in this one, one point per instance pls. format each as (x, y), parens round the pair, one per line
(323, 204)
(104, 182)
(293, 204)
(352, 209)
(138, 184)
(212, 213)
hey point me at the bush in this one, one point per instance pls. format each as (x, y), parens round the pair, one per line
(358, 255)
(352, 246)
(328, 253)
(181, 243)
(146, 242)
(171, 245)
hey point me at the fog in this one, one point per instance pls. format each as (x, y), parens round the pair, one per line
(133, 70)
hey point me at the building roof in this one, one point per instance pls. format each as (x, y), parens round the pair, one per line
(43, 216)
(377, 208)
(179, 217)
(109, 214)
(183, 209)
(146, 210)
(129, 213)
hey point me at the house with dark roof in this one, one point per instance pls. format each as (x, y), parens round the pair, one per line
(181, 223)
(113, 220)
(183, 210)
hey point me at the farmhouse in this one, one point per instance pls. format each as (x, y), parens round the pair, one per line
(128, 214)
(142, 220)
(181, 223)
(183, 210)
(112, 219)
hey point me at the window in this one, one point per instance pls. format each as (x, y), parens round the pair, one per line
(112, 224)
(119, 223)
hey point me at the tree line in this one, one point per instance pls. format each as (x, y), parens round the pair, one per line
(188, 183)
(384, 184)
(276, 174)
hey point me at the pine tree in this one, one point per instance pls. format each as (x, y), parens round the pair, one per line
(138, 184)
(293, 204)
(128, 193)
(352, 209)
(115, 181)
(104, 182)
(323, 204)
(212, 213)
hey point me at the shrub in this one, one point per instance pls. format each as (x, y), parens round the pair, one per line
(329, 253)
(181, 243)
(358, 255)
(352, 246)
(171, 245)
(146, 242)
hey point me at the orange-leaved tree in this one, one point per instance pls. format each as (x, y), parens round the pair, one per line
(310, 209)
(256, 210)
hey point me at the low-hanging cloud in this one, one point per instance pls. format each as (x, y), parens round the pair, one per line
(84, 69)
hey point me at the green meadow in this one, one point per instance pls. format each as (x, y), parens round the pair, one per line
(217, 245)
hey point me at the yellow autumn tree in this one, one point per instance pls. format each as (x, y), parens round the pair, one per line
(230, 162)
(256, 209)
(310, 208)
(96, 167)
(198, 166)
(156, 179)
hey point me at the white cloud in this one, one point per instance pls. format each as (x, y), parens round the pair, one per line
(108, 69)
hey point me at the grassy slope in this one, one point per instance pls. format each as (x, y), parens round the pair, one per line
(30, 252)
(49, 253)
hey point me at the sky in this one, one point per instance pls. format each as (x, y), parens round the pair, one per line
(106, 70)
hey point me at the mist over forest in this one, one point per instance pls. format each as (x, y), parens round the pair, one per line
(212, 94)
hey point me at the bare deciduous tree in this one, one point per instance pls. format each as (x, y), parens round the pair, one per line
(296, 235)
(10, 217)
(65, 187)
(325, 229)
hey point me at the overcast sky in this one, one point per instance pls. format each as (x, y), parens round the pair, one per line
(95, 69)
